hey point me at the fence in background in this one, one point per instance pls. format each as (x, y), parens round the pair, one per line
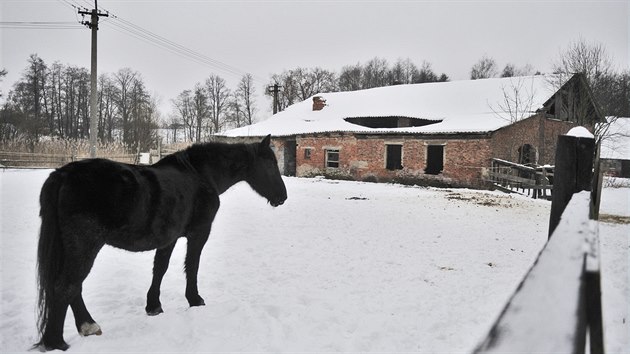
(512, 177)
(38, 160)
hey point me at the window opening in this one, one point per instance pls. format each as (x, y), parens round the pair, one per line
(394, 157)
(307, 154)
(526, 154)
(332, 158)
(435, 159)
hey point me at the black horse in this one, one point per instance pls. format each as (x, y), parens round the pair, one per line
(87, 204)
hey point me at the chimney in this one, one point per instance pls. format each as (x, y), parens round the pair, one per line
(318, 103)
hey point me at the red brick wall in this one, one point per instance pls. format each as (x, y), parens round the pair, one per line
(364, 158)
(540, 132)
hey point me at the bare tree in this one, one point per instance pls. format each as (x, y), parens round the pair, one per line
(3, 73)
(403, 72)
(590, 59)
(107, 109)
(517, 104)
(183, 108)
(351, 77)
(124, 79)
(518, 99)
(218, 98)
(607, 87)
(375, 73)
(485, 68)
(244, 96)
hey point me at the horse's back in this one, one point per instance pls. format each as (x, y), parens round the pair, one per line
(128, 206)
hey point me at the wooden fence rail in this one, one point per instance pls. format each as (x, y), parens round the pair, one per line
(22, 159)
(559, 299)
(510, 177)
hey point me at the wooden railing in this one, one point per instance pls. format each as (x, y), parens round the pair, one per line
(559, 299)
(536, 182)
(38, 160)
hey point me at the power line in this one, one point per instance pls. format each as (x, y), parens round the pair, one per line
(39, 25)
(127, 27)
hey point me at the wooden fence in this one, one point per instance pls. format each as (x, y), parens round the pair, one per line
(507, 176)
(38, 160)
(560, 298)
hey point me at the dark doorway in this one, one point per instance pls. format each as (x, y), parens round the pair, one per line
(394, 157)
(289, 158)
(435, 159)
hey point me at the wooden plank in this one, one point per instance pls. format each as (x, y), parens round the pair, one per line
(547, 313)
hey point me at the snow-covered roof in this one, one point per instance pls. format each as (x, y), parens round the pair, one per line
(616, 143)
(470, 106)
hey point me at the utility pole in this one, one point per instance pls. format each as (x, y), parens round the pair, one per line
(275, 89)
(93, 25)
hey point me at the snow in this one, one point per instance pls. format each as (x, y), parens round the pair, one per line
(455, 106)
(558, 304)
(580, 132)
(342, 266)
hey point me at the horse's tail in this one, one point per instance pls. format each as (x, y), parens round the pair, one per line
(50, 250)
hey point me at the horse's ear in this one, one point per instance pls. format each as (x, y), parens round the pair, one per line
(266, 141)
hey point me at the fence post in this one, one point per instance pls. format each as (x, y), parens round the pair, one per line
(573, 173)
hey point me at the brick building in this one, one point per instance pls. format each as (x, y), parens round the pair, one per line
(429, 134)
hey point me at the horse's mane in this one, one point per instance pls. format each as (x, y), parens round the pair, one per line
(216, 154)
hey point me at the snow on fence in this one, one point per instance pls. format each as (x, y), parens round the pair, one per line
(560, 297)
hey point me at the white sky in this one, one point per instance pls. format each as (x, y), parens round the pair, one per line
(267, 37)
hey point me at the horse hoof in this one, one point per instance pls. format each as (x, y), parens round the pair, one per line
(88, 329)
(154, 312)
(46, 346)
(196, 301)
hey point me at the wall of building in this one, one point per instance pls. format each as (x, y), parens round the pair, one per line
(538, 131)
(364, 158)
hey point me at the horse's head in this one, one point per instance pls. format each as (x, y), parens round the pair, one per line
(264, 176)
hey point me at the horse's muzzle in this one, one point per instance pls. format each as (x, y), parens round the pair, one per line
(277, 202)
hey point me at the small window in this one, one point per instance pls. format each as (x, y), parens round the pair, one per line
(526, 154)
(394, 157)
(332, 158)
(435, 159)
(307, 154)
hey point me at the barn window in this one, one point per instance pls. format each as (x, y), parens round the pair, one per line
(526, 154)
(393, 157)
(332, 158)
(435, 159)
(307, 154)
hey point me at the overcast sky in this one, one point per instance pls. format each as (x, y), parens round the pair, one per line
(267, 37)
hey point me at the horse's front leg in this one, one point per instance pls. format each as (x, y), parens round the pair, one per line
(196, 240)
(197, 237)
(160, 265)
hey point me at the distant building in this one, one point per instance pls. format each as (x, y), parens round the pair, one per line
(442, 133)
(615, 149)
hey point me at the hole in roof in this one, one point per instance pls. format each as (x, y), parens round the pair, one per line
(390, 122)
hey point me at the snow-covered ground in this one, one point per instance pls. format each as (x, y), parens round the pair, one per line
(342, 266)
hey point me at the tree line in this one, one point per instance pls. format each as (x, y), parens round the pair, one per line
(53, 100)
(298, 84)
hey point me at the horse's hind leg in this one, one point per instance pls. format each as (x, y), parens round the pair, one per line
(86, 325)
(160, 265)
(53, 333)
(67, 292)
